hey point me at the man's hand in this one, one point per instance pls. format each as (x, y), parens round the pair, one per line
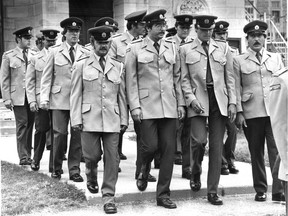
(181, 113)
(77, 127)
(232, 112)
(197, 107)
(44, 105)
(240, 120)
(34, 107)
(123, 128)
(137, 114)
(9, 105)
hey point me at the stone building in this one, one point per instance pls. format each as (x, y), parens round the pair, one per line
(48, 13)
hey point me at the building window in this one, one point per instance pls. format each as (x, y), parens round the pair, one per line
(275, 4)
(276, 16)
(249, 10)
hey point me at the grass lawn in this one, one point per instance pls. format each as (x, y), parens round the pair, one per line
(26, 192)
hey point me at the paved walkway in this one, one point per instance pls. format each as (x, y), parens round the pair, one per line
(126, 189)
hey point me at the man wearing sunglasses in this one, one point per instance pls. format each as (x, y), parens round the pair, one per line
(13, 69)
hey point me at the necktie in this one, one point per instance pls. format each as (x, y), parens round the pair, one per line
(182, 42)
(157, 46)
(25, 57)
(102, 63)
(209, 79)
(258, 56)
(71, 53)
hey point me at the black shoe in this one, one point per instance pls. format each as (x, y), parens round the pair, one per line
(24, 162)
(260, 197)
(232, 169)
(195, 183)
(119, 169)
(278, 197)
(76, 177)
(141, 182)
(166, 203)
(64, 157)
(224, 171)
(214, 199)
(51, 171)
(156, 166)
(178, 161)
(110, 208)
(93, 188)
(151, 178)
(35, 166)
(56, 175)
(122, 156)
(82, 159)
(186, 174)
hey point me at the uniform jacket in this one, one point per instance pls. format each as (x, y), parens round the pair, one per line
(56, 77)
(152, 79)
(194, 67)
(119, 45)
(178, 41)
(97, 97)
(278, 107)
(252, 82)
(13, 70)
(34, 74)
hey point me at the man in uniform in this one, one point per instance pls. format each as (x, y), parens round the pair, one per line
(135, 29)
(33, 80)
(254, 70)
(13, 70)
(155, 100)
(228, 157)
(182, 157)
(39, 43)
(99, 110)
(209, 89)
(55, 94)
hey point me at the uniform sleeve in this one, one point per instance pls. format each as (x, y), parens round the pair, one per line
(238, 85)
(185, 79)
(113, 49)
(76, 95)
(230, 77)
(30, 81)
(122, 100)
(177, 79)
(46, 80)
(131, 78)
(5, 78)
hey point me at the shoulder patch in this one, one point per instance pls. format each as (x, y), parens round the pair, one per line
(57, 45)
(169, 40)
(86, 45)
(137, 41)
(84, 57)
(116, 59)
(9, 51)
(116, 35)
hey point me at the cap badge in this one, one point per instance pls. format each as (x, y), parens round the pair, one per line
(106, 23)
(187, 19)
(161, 16)
(103, 35)
(221, 26)
(206, 21)
(74, 24)
(51, 33)
(256, 27)
(29, 31)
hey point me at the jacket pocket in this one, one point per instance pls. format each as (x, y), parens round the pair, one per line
(114, 76)
(246, 97)
(169, 57)
(90, 74)
(86, 108)
(143, 93)
(55, 89)
(61, 61)
(144, 58)
(193, 58)
(275, 87)
(219, 57)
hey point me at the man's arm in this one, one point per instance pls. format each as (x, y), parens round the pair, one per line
(30, 83)
(5, 82)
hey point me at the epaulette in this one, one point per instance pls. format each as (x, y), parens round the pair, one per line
(84, 57)
(86, 45)
(116, 59)
(85, 48)
(9, 51)
(219, 40)
(169, 40)
(137, 41)
(116, 35)
(186, 43)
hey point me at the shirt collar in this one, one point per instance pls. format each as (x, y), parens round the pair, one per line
(98, 57)
(179, 39)
(254, 53)
(130, 35)
(68, 46)
(159, 42)
(201, 41)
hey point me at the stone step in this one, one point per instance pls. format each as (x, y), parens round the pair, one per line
(4, 123)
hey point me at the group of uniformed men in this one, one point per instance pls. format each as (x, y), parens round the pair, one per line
(174, 87)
